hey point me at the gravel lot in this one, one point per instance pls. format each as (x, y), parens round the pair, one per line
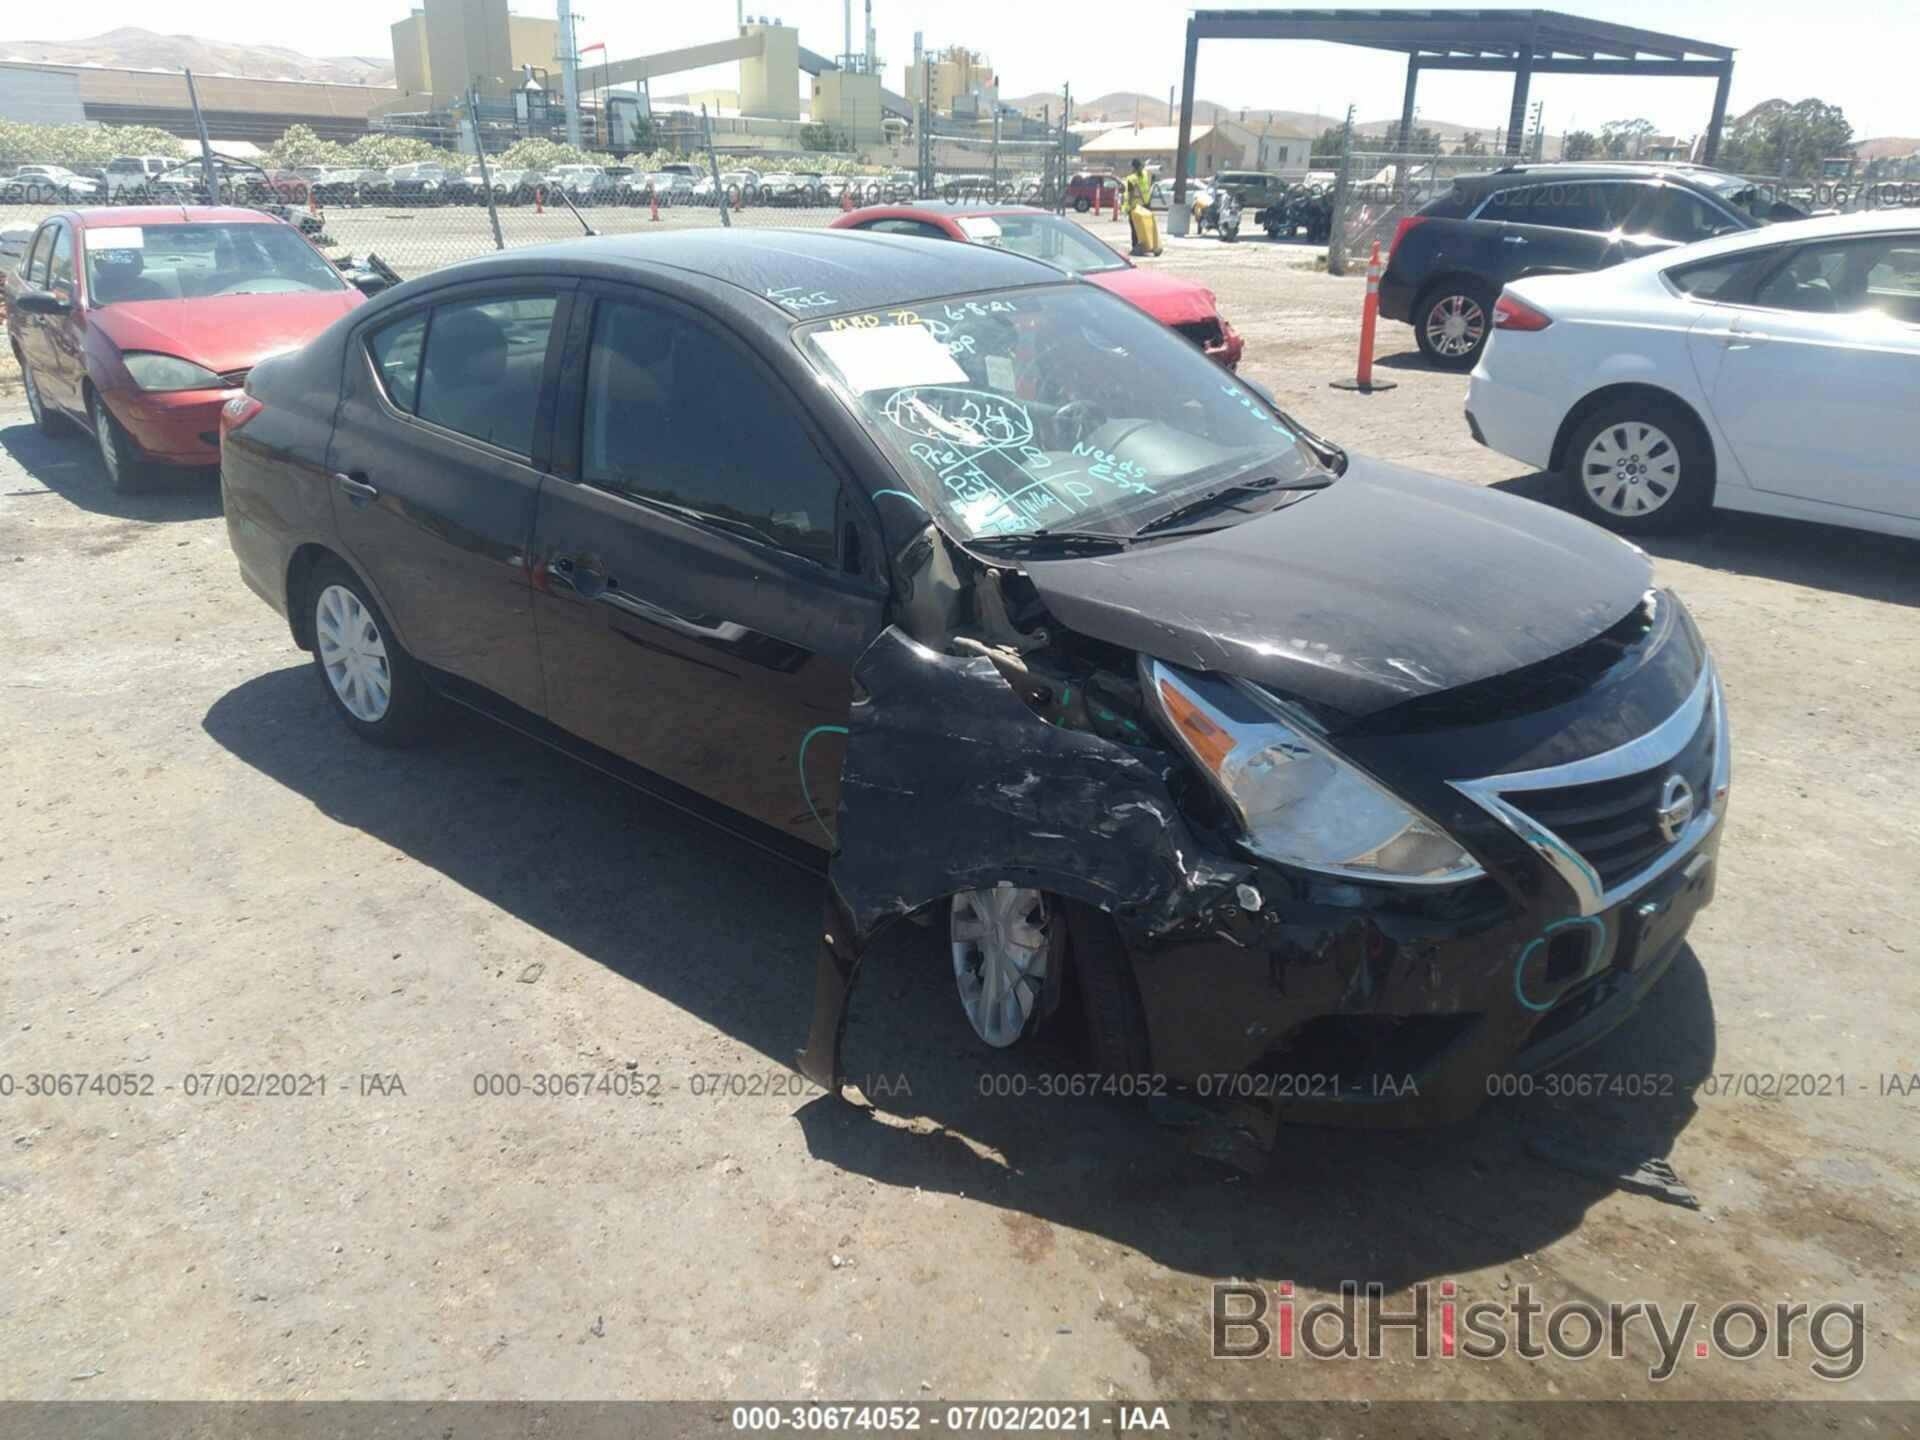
(204, 873)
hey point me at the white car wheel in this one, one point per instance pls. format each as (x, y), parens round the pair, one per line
(1001, 940)
(1631, 469)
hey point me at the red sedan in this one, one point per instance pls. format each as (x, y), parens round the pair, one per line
(138, 324)
(1179, 304)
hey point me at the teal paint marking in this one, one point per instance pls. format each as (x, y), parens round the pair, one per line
(806, 789)
(1526, 954)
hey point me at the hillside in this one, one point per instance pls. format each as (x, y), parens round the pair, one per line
(1123, 105)
(132, 48)
(1887, 147)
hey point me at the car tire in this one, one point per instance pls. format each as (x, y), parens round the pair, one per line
(46, 420)
(1641, 465)
(1451, 323)
(127, 470)
(1115, 1023)
(356, 657)
(1082, 205)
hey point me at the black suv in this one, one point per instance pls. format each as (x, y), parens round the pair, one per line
(1450, 260)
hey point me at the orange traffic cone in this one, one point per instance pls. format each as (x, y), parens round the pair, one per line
(539, 200)
(1116, 207)
(654, 197)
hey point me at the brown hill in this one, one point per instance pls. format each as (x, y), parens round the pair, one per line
(132, 48)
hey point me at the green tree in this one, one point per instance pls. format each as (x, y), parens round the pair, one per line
(1579, 145)
(81, 147)
(1780, 137)
(1326, 150)
(820, 137)
(1622, 139)
(301, 146)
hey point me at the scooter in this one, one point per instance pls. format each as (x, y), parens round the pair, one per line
(1221, 214)
(1305, 209)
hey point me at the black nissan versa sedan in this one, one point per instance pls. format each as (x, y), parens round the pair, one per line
(973, 586)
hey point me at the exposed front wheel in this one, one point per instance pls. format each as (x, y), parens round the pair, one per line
(127, 469)
(1005, 943)
(1641, 465)
(1082, 205)
(1451, 324)
(372, 681)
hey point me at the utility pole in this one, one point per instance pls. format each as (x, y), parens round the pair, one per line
(569, 76)
(206, 145)
(486, 176)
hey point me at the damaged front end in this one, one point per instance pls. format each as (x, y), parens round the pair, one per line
(989, 745)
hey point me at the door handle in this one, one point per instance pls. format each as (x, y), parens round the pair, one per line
(1741, 332)
(580, 577)
(1513, 239)
(358, 491)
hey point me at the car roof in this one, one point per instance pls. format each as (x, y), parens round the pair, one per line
(838, 271)
(99, 217)
(1562, 171)
(1795, 232)
(947, 210)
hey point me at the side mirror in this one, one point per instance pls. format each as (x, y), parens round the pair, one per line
(41, 302)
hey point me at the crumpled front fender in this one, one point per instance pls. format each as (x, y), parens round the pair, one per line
(952, 782)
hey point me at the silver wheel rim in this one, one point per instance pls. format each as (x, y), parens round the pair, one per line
(1630, 469)
(33, 395)
(103, 437)
(352, 653)
(1000, 940)
(1455, 325)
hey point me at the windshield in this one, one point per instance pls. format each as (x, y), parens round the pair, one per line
(1060, 243)
(1061, 408)
(190, 262)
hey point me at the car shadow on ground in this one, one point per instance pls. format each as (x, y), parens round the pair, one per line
(712, 926)
(69, 466)
(1795, 552)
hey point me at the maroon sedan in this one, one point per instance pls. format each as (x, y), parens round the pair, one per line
(1179, 304)
(138, 324)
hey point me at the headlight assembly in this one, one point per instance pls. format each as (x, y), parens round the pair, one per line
(1297, 801)
(168, 372)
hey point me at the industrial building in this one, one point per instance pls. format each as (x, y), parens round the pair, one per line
(954, 81)
(447, 45)
(236, 108)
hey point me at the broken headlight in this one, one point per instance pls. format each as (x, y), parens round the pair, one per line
(1297, 801)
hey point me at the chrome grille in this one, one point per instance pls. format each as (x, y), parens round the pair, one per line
(1611, 823)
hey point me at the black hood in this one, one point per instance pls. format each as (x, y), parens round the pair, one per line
(1387, 585)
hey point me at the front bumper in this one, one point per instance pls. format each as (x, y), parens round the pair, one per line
(1370, 1005)
(1324, 1015)
(1228, 348)
(177, 427)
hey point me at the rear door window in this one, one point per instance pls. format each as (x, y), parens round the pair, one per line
(396, 356)
(1576, 206)
(1720, 279)
(482, 369)
(1848, 277)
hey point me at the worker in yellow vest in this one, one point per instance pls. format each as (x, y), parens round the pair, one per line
(1146, 231)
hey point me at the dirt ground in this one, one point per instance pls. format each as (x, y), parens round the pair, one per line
(204, 874)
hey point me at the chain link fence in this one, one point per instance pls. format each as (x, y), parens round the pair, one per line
(419, 217)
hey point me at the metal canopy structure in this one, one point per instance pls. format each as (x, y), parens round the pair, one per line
(1524, 42)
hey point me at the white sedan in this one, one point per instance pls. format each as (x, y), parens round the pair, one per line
(1777, 371)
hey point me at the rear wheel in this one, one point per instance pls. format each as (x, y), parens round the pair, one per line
(1451, 323)
(374, 684)
(1640, 465)
(1082, 205)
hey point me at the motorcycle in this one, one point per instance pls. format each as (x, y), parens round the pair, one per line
(1220, 213)
(1305, 209)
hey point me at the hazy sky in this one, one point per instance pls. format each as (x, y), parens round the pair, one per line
(1856, 53)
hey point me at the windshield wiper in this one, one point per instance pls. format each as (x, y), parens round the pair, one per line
(1207, 499)
(1027, 540)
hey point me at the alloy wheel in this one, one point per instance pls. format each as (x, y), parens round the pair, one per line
(1000, 941)
(1455, 325)
(1630, 469)
(352, 653)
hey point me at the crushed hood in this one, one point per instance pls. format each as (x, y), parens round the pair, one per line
(1387, 585)
(1168, 298)
(223, 332)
